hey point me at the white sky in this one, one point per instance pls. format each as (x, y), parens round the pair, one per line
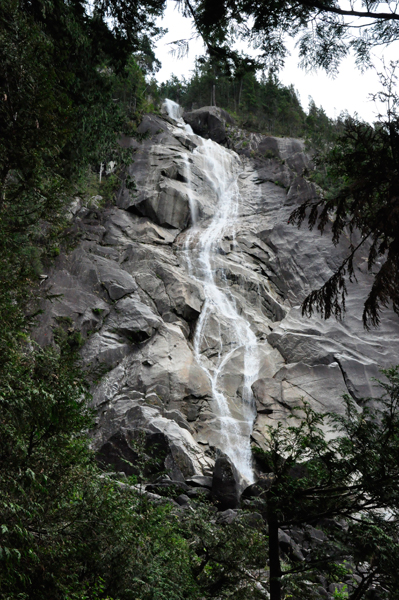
(348, 91)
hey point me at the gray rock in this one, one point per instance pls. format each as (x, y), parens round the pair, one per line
(201, 493)
(226, 517)
(184, 457)
(179, 418)
(127, 288)
(183, 500)
(167, 488)
(209, 122)
(200, 481)
(225, 488)
(290, 547)
(260, 487)
(122, 227)
(253, 520)
(106, 348)
(132, 454)
(133, 319)
(267, 393)
(116, 281)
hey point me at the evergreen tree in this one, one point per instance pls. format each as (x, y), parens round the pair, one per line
(362, 168)
(336, 467)
(325, 29)
(259, 104)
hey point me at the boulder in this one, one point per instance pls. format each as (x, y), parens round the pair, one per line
(290, 547)
(200, 481)
(260, 487)
(184, 458)
(183, 500)
(226, 517)
(200, 493)
(225, 488)
(209, 122)
(253, 520)
(170, 207)
(134, 453)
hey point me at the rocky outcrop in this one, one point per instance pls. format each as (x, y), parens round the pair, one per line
(128, 289)
(210, 122)
(225, 484)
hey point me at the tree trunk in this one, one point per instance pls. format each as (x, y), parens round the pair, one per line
(274, 556)
(214, 95)
(362, 588)
(239, 94)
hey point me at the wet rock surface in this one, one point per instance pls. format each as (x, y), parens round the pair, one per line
(127, 289)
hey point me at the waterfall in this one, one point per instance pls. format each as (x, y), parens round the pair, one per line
(174, 111)
(202, 249)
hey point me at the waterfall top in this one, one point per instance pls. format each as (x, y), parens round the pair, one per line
(175, 111)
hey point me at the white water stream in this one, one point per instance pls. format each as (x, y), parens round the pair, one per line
(235, 416)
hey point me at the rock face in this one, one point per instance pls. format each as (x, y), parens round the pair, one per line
(225, 489)
(209, 122)
(164, 285)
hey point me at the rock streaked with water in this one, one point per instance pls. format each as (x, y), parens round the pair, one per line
(139, 288)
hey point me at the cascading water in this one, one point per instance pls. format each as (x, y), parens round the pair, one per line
(174, 111)
(202, 248)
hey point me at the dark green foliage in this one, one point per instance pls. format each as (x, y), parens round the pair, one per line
(321, 134)
(69, 532)
(363, 197)
(325, 35)
(66, 533)
(263, 105)
(353, 476)
(131, 90)
(227, 561)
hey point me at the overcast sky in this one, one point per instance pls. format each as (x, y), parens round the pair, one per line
(349, 91)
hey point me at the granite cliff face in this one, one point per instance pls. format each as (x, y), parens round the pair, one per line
(188, 293)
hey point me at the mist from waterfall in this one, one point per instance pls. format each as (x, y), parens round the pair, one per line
(202, 248)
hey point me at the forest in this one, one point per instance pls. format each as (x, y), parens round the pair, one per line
(263, 105)
(74, 78)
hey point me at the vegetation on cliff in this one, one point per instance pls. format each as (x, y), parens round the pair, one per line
(259, 103)
(347, 486)
(361, 174)
(72, 80)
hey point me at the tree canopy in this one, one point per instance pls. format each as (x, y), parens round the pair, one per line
(326, 29)
(258, 103)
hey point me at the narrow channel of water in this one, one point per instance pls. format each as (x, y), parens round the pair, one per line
(202, 248)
